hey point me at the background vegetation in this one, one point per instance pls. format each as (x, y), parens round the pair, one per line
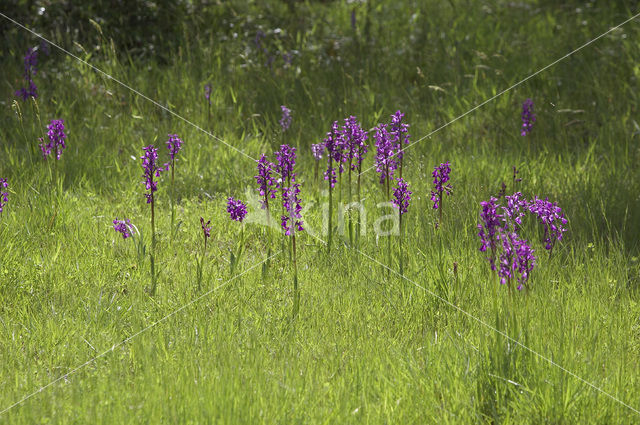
(367, 346)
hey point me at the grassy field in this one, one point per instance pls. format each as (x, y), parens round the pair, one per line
(368, 345)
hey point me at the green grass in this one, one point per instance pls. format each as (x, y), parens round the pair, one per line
(367, 345)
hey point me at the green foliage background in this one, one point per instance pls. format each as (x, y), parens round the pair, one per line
(367, 346)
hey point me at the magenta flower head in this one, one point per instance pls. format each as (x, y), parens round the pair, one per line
(291, 204)
(151, 170)
(290, 189)
(516, 261)
(266, 182)
(525, 262)
(354, 140)
(401, 196)
(4, 196)
(317, 149)
(334, 145)
(236, 209)
(56, 139)
(286, 158)
(489, 229)
(285, 121)
(440, 177)
(399, 132)
(552, 217)
(123, 227)
(528, 117)
(400, 200)
(174, 144)
(339, 149)
(207, 92)
(513, 212)
(386, 162)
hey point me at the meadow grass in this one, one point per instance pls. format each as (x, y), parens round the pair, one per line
(366, 345)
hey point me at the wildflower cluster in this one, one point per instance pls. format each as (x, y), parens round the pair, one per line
(268, 186)
(528, 117)
(56, 139)
(440, 177)
(346, 147)
(389, 141)
(333, 143)
(236, 209)
(399, 135)
(354, 142)
(291, 219)
(499, 230)
(123, 227)
(552, 217)
(174, 144)
(293, 208)
(4, 196)
(286, 161)
(356, 147)
(514, 211)
(386, 162)
(401, 199)
(516, 261)
(401, 196)
(489, 227)
(151, 169)
(266, 182)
